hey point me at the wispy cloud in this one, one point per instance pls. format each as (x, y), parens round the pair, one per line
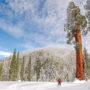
(14, 30)
(48, 20)
(39, 22)
(3, 53)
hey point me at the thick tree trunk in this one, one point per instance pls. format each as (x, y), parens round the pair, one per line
(79, 56)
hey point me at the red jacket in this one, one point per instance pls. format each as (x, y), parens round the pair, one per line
(59, 80)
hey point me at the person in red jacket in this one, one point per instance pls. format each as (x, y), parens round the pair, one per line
(59, 81)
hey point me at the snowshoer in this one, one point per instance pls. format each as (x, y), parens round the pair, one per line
(59, 81)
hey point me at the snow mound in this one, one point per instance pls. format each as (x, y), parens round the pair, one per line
(75, 83)
(79, 81)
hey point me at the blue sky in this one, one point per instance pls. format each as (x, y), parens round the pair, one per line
(30, 24)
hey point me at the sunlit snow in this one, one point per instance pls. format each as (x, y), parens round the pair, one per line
(76, 85)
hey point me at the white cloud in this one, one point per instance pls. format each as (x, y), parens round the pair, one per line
(3, 53)
(14, 30)
(49, 21)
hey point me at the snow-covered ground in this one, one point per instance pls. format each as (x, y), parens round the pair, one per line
(76, 85)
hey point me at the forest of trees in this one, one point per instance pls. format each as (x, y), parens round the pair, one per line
(23, 72)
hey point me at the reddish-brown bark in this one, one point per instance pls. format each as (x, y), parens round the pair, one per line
(79, 56)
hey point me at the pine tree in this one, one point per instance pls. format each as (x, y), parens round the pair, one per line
(87, 7)
(85, 58)
(88, 68)
(28, 69)
(68, 78)
(0, 71)
(13, 67)
(75, 26)
(22, 70)
(17, 65)
(38, 67)
(86, 63)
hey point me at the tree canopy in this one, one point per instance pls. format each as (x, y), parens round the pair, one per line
(87, 7)
(74, 19)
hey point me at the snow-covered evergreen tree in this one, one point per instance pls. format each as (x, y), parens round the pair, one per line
(13, 71)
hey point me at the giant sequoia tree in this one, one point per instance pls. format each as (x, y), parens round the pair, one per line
(75, 26)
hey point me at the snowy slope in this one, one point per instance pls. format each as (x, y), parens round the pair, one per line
(77, 85)
(55, 62)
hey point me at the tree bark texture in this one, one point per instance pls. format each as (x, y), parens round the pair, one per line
(79, 56)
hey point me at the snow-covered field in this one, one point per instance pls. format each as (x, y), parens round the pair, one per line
(77, 85)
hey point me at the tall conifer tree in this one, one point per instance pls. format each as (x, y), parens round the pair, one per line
(13, 67)
(85, 58)
(86, 63)
(75, 26)
(17, 65)
(29, 69)
(1, 71)
(22, 69)
(38, 67)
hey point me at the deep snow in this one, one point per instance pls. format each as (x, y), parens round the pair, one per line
(76, 85)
